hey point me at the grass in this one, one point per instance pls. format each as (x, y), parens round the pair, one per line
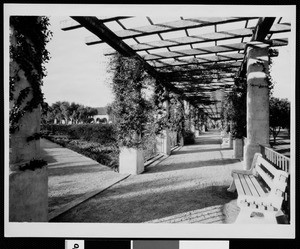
(106, 155)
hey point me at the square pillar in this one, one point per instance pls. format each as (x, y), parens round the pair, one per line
(257, 101)
(164, 142)
(131, 161)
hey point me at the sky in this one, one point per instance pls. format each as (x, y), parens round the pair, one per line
(78, 73)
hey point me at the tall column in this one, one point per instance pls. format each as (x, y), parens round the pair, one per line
(166, 145)
(257, 101)
(28, 189)
(192, 118)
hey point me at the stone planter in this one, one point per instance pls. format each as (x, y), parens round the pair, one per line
(230, 145)
(163, 142)
(238, 148)
(28, 195)
(131, 161)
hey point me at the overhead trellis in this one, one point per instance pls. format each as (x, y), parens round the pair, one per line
(195, 57)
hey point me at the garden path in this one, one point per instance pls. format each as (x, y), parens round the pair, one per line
(187, 187)
(73, 178)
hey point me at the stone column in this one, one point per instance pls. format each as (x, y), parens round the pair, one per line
(257, 101)
(28, 189)
(166, 144)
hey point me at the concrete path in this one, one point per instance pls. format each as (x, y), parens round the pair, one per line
(73, 178)
(189, 187)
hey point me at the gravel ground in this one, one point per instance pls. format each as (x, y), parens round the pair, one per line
(72, 176)
(192, 182)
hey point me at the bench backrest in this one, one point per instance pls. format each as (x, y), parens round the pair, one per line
(274, 178)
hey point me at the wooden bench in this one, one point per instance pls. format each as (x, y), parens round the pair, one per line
(260, 191)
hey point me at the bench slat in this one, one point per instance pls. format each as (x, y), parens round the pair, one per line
(238, 184)
(264, 176)
(245, 185)
(268, 166)
(251, 186)
(259, 189)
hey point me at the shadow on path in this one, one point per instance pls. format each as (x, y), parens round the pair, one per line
(179, 185)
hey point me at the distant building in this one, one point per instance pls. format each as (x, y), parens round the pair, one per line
(102, 116)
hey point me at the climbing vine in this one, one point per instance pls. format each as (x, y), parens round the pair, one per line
(130, 108)
(234, 110)
(28, 55)
(173, 118)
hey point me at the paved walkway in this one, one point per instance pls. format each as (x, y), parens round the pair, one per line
(73, 178)
(189, 187)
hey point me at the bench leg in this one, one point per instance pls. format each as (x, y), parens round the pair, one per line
(270, 218)
(232, 187)
(244, 216)
(250, 216)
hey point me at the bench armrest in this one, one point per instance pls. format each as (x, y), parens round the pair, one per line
(241, 171)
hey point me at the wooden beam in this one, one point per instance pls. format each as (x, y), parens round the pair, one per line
(208, 37)
(70, 24)
(209, 50)
(198, 60)
(176, 26)
(262, 28)
(95, 26)
(206, 67)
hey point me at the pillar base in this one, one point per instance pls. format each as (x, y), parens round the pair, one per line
(131, 161)
(164, 143)
(238, 148)
(28, 196)
(249, 150)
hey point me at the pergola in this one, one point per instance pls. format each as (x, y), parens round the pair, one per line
(199, 58)
(195, 57)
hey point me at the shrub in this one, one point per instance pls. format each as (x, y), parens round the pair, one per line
(189, 137)
(55, 129)
(101, 133)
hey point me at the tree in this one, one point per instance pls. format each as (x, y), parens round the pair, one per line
(234, 109)
(63, 110)
(279, 115)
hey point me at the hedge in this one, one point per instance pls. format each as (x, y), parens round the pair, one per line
(104, 134)
(189, 137)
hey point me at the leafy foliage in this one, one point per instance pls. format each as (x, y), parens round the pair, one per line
(279, 115)
(100, 133)
(28, 53)
(68, 112)
(130, 108)
(234, 109)
(189, 137)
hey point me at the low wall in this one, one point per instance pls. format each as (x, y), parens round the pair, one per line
(28, 196)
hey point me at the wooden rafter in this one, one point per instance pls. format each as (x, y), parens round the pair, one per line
(200, 60)
(212, 68)
(208, 37)
(94, 25)
(176, 26)
(209, 50)
(70, 24)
